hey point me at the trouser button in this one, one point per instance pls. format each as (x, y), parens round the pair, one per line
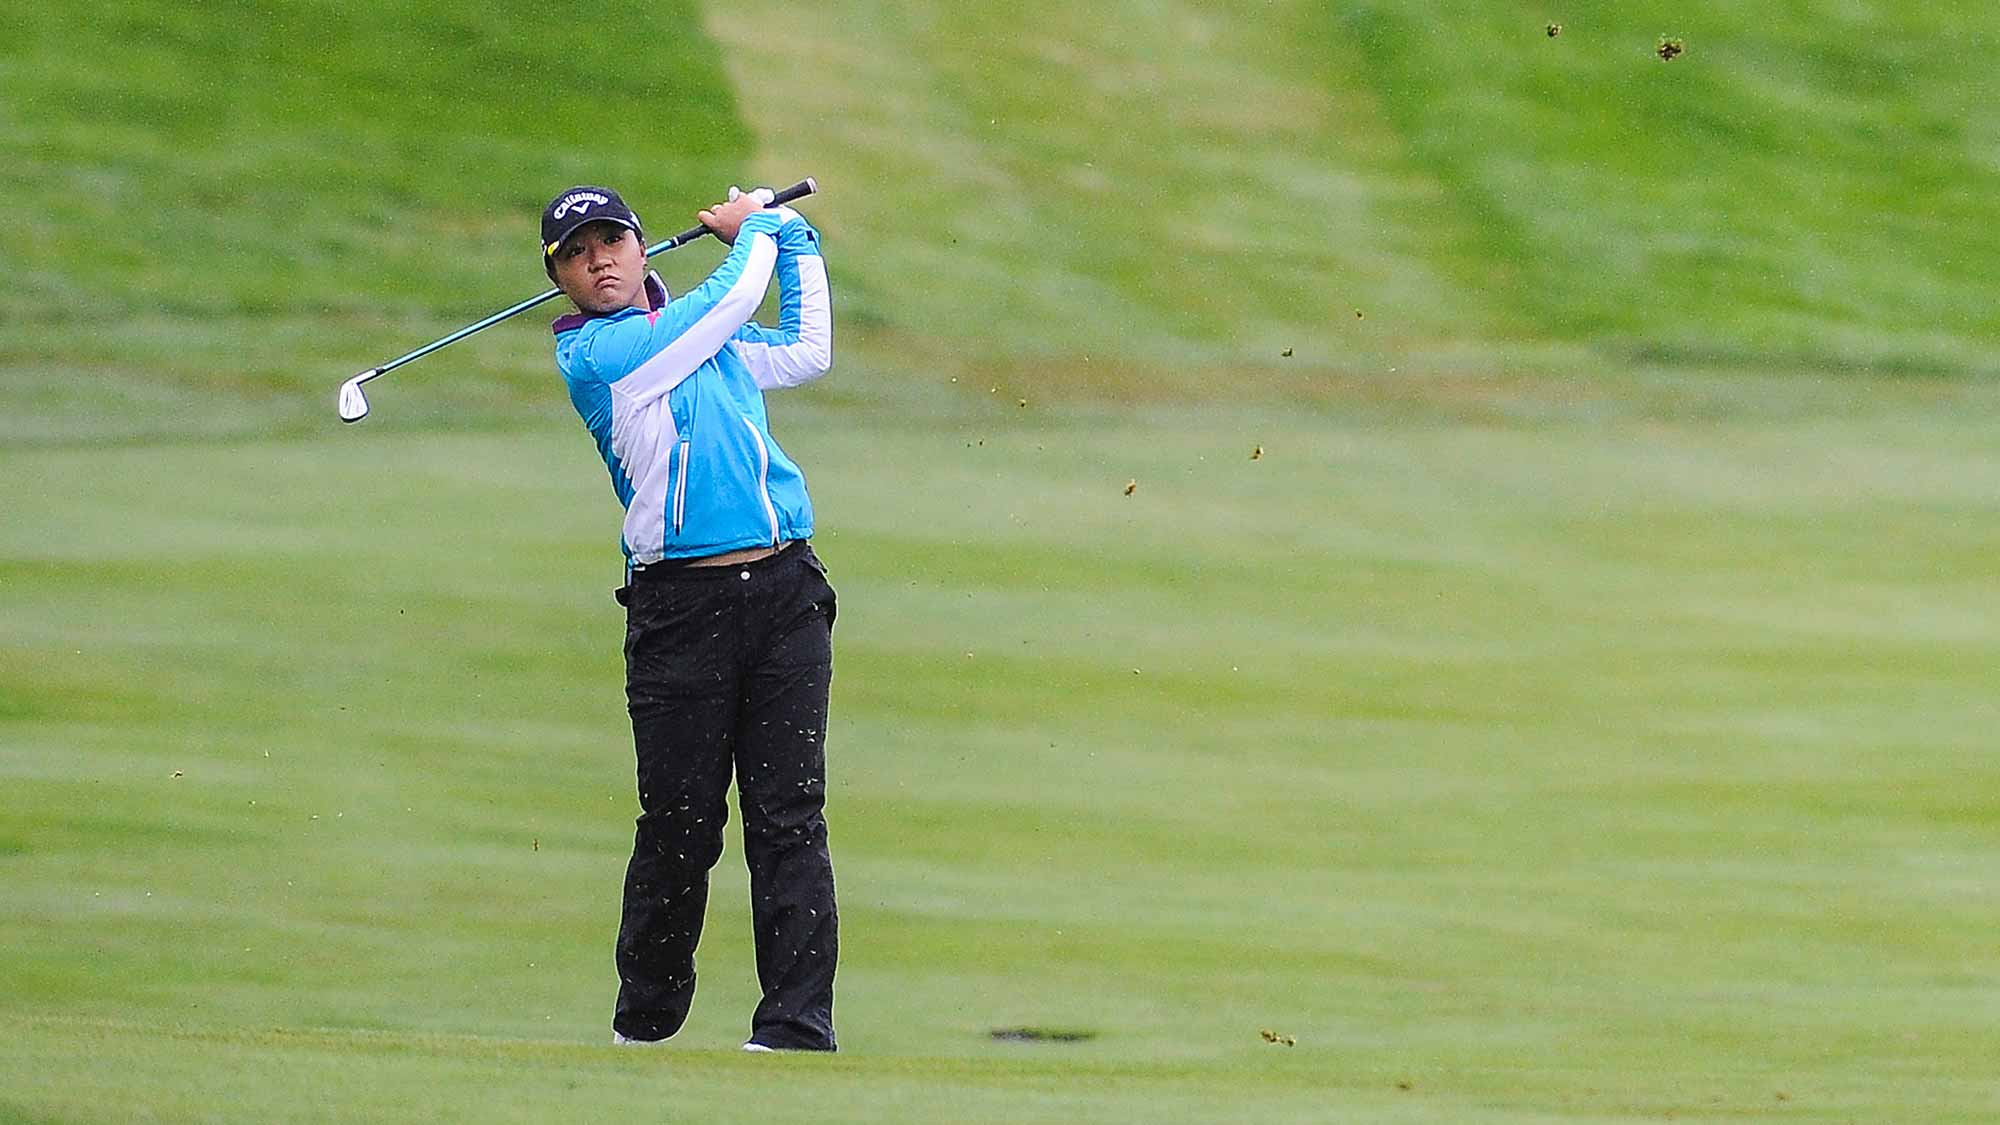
(746, 576)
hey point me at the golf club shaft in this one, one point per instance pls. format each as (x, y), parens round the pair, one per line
(798, 190)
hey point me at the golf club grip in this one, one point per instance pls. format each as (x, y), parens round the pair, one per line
(781, 197)
(798, 190)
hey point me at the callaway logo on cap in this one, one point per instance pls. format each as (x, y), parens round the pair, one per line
(579, 201)
(577, 206)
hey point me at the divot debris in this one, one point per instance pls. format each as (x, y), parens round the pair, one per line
(1041, 1034)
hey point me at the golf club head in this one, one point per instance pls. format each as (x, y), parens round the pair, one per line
(354, 404)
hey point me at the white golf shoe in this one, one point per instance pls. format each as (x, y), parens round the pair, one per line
(757, 1048)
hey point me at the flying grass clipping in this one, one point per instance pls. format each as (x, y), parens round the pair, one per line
(1669, 48)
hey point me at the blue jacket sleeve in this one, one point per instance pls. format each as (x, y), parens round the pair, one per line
(800, 348)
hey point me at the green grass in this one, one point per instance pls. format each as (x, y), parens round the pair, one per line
(1122, 199)
(221, 212)
(1809, 185)
(1122, 203)
(1579, 713)
(1565, 762)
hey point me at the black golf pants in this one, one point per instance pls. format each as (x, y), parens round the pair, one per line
(728, 668)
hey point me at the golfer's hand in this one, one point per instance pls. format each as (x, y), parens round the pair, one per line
(725, 219)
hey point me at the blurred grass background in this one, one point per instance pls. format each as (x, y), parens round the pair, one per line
(1577, 711)
(1132, 203)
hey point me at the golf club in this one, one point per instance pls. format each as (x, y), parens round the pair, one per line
(354, 404)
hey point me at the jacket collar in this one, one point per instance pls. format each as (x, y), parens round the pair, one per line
(656, 295)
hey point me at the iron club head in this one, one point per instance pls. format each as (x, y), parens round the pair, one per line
(354, 404)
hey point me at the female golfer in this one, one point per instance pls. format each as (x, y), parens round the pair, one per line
(729, 617)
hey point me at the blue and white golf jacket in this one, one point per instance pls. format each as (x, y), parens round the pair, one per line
(675, 398)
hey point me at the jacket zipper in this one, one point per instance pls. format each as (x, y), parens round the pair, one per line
(681, 489)
(764, 478)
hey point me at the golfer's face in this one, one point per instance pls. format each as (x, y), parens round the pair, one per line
(601, 267)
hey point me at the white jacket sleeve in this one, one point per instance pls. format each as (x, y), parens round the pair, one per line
(800, 348)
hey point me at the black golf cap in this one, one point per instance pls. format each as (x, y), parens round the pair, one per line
(577, 206)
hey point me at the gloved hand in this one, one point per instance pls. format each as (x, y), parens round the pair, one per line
(725, 219)
(796, 234)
